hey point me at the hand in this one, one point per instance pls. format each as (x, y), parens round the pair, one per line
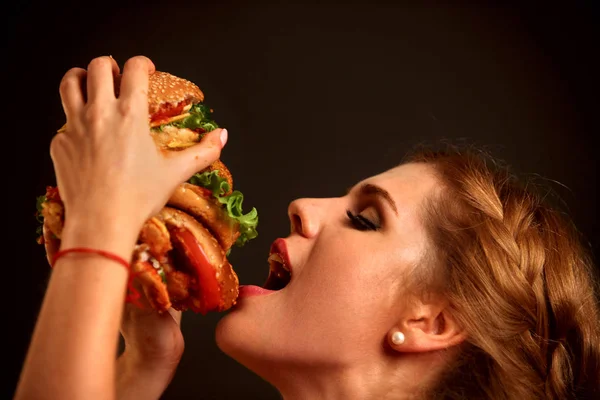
(109, 171)
(153, 348)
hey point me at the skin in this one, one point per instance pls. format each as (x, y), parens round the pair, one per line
(105, 157)
(153, 348)
(327, 334)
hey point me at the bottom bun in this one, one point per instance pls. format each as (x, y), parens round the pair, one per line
(177, 263)
(212, 284)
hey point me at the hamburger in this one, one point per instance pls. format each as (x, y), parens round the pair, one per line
(181, 256)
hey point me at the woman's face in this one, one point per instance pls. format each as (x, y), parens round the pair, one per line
(347, 280)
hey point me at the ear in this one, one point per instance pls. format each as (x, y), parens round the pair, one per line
(425, 327)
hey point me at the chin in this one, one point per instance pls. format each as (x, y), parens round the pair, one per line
(237, 337)
(239, 333)
(225, 335)
(251, 335)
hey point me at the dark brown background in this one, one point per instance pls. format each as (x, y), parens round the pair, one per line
(315, 97)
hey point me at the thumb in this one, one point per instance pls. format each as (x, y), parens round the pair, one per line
(187, 162)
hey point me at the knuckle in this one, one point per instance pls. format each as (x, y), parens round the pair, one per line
(216, 152)
(94, 114)
(212, 154)
(211, 142)
(56, 144)
(132, 109)
(216, 143)
(125, 108)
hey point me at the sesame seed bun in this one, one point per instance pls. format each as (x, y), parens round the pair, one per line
(165, 88)
(165, 91)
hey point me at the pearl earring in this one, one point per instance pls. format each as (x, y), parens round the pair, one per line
(398, 337)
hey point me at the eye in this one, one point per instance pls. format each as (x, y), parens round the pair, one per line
(362, 223)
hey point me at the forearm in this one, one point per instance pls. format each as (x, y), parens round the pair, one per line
(73, 349)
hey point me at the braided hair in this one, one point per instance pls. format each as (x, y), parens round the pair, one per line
(519, 280)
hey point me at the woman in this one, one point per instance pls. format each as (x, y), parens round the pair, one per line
(440, 278)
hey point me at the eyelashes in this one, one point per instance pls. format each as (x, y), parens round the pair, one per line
(361, 223)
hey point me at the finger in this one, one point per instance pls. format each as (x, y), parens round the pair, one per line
(71, 91)
(187, 162)
(100, 79)
(134, 81)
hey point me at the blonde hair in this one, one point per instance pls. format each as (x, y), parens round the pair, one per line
(519, 280)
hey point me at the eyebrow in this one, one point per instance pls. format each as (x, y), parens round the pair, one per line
(369, 189)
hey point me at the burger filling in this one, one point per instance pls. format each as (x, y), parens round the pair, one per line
(185, 275)
(145, 256)
(211, 181)
(49, 206)
(169, 111)
(279, 273)
(199, 119)
(231, 203)
(182, 125)
(190, 257)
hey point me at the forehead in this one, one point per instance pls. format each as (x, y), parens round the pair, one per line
(407, 184)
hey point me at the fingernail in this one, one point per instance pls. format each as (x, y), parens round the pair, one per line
(223, 137)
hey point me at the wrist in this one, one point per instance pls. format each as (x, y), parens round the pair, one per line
(114, 235)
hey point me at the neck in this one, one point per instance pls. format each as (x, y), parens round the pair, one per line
(393, 377)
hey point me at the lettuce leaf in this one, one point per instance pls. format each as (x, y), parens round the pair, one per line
(232, 203)
(200, 117)
(38, 215)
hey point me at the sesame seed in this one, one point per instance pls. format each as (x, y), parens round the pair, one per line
(165, 88)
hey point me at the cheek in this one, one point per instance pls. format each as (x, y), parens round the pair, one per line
(348, 287)
(345, 292)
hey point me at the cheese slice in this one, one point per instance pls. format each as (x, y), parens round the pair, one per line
(168, 121)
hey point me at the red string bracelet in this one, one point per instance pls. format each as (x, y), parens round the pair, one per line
(132, 294)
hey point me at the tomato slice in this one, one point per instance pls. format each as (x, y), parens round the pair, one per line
(169, 110)
(209, 290)
(52, 194)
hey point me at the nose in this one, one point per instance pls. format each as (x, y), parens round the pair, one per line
(305, 217)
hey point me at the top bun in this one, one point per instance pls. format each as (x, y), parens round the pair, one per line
(164, 91)
(165, 88)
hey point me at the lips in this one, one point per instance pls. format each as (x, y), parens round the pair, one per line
(280, 248)
(280, 271)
